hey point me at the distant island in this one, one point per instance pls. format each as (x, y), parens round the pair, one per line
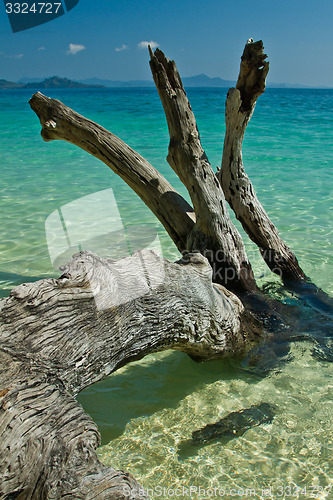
(55, 82)
(5, 84)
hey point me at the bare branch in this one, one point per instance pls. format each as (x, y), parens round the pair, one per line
(214, 230)
(60, 122)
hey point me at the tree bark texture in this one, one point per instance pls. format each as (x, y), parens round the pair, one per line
(58, 336)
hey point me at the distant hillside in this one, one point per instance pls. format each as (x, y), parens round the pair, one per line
(188, 81)
(5, 84)
(206, 81)
(201, 80)
(54, 82)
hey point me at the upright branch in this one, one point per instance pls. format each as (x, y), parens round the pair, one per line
(214, 235)
(235, 183)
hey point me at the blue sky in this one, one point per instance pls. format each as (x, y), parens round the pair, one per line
(101, 38)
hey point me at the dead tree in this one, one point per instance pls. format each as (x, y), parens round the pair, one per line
(58, 336)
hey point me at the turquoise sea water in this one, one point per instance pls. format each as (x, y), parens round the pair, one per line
(148, 408)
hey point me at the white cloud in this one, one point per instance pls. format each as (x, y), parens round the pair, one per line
(74, 48)
(41, 48)
(120, 49)
(15, 56)
(144, 44)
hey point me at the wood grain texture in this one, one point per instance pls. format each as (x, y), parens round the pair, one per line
(60, 335)
(235, 183)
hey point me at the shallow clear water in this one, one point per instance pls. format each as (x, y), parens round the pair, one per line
(148, 408)
(295, 449)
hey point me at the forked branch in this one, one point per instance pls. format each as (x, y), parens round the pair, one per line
(59, 336)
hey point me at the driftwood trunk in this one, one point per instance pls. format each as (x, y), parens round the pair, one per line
(59, 336)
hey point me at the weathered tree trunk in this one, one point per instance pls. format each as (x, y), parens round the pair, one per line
(214, 235)
(59, 336)
(235, 183)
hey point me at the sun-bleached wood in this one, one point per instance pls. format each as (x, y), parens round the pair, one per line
(235, 183)
(60, 335)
